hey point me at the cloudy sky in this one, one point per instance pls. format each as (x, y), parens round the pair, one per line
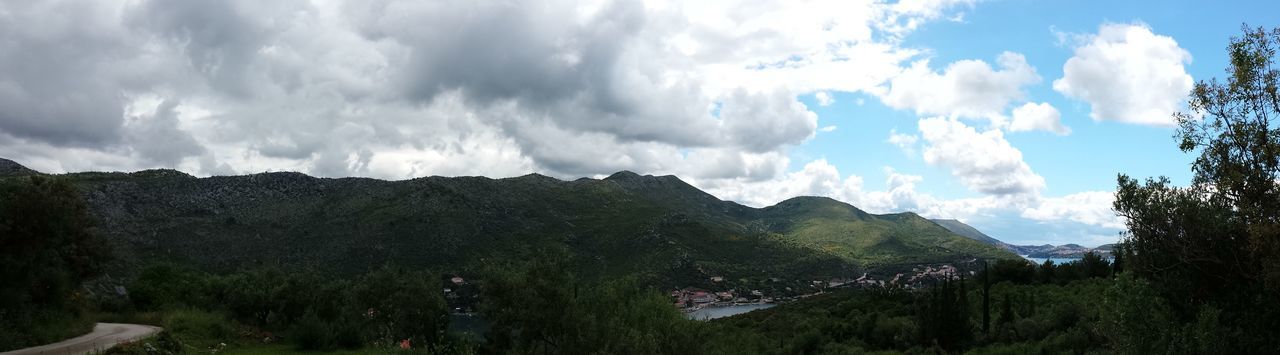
(1012, 115)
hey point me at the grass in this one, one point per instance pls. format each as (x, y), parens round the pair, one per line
(290, 349)
(41, 327)
(200, 332)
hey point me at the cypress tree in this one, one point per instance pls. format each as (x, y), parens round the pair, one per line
(986, 299)
(1031, 307)
(1006, 310)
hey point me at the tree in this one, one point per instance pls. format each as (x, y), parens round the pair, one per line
(1093, 265)
(47, 243)
(1006, 310)
(1118, 255)
(1215, 245)
(986, 299)
(47, 249)
(1045, 274)
(541, 308)
(943, 315)
(400, 304)
(1233, 126)
(1018, 271)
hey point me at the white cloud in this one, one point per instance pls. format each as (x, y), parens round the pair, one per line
(1084, 217)
(817, 178)
(824, 98)
(1090, 207)
(745, 117)
(707, 90)
(966, 88)
(820, 178)
(1038, 117)
(397, 89)
(983, 161)
(906, 142)
(1128, 74)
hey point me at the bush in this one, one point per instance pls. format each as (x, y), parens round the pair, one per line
(1065, 315)
(40, 326)
(201, 329)
(311, 333)
(1018, 271)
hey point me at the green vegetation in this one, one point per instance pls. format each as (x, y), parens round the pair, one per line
(659, 227)
(531, 308)
(872, 240)
(968, 231)
(278, 263)
(382, 309)
(541, 308)
(47, 249)
(1205, 257)
(1061, 315)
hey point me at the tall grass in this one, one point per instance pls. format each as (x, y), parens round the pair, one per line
(24, 329)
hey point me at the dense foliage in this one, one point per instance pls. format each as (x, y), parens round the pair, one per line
(47, 248)
(1026, 315)
(381, 309)
(625, 224)
(1207, 256)
(541, 308)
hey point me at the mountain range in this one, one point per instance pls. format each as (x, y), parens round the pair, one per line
(1033, 251)
(623, 224)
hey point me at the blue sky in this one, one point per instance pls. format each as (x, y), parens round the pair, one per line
(1011, 115)
(1095, 152)
(1086, 160)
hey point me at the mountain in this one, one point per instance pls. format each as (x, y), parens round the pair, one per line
(11, 168)
(968, 231)
(1034, 251)
(623, 224)
(839, 228)
(1064, 251)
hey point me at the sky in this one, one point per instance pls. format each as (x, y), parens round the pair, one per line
(1014, 116)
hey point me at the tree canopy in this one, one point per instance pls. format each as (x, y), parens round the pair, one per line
(1213, 246)
(47, 248)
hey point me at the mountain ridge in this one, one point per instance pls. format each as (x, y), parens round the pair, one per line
(625, 223)
(1070, 250)
(12, 168)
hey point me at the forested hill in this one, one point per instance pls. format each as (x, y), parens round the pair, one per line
(623, 224)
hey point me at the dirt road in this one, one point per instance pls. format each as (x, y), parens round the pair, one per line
(104, 335)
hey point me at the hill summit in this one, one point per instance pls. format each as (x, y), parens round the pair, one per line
(12, 168)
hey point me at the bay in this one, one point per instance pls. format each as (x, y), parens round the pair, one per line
(709, 313)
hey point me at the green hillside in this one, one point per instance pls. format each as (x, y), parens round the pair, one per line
(968, 231)
(623, 224)
(872, 240)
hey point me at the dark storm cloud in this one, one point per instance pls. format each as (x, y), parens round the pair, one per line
(217, 38)
(583, 74)
(59, 76)
(330, 88)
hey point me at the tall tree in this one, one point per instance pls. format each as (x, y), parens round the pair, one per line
(1216, 244)
(403, 305)
(47, 243)
(1006, 310)
(986, 299)
(1233, 125)
(47, 249)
